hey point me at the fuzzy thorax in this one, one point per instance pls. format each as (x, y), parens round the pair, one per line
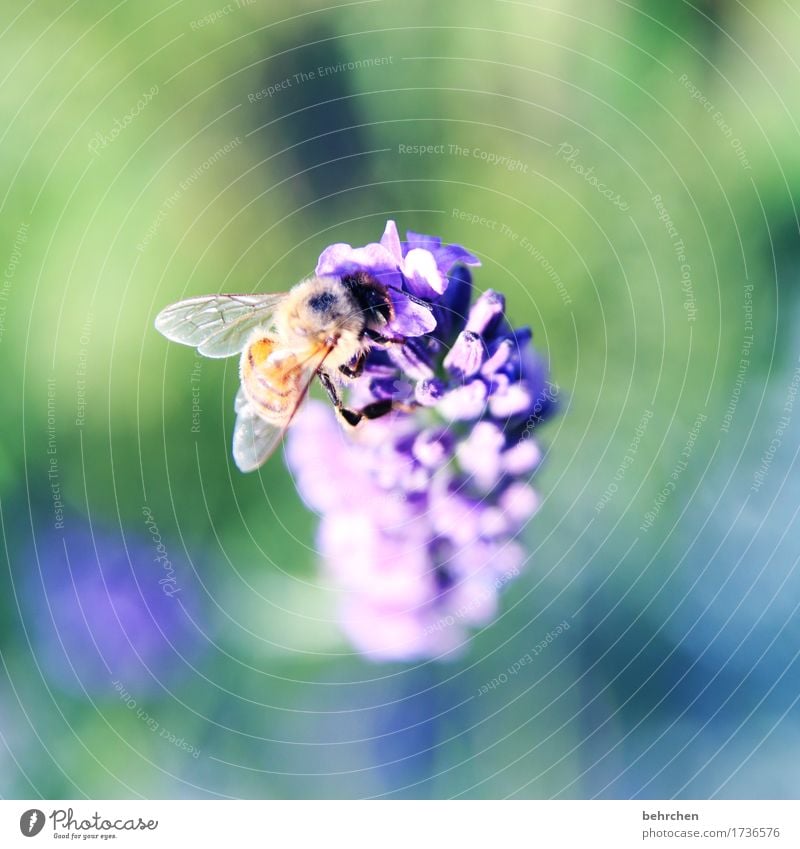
(322, 312)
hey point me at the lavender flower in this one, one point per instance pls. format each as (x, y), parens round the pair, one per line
(419, 509)
(418, 267)
(100, 611)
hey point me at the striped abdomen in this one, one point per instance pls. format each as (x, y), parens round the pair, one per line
(273, 379)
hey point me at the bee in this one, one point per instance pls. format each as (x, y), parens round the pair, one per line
(323, 327)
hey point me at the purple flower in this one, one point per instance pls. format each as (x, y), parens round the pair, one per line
(419, 509)
(418, 267)
(104, 609)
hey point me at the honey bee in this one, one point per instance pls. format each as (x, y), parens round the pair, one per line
(323, 327)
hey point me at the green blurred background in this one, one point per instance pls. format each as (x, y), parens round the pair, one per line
(154, 151)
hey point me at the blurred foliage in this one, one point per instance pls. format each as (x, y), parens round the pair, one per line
(680, 661)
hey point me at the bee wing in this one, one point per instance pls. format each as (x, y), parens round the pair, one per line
(217, 325)
(254, 438)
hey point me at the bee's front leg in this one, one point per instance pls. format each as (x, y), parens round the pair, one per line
(375, 336)
(371, 411)
(357, 369)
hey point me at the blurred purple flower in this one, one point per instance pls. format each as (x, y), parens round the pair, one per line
(99, 609)
(419, 509)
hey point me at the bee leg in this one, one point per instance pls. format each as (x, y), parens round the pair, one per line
(330, 388)
(352, 417)
(357, 369)
(371, 411)
(375, 410)
(381, 339)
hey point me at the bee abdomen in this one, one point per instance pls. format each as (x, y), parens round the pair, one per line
(272, 388)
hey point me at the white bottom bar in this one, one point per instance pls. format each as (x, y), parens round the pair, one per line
(401, 824)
